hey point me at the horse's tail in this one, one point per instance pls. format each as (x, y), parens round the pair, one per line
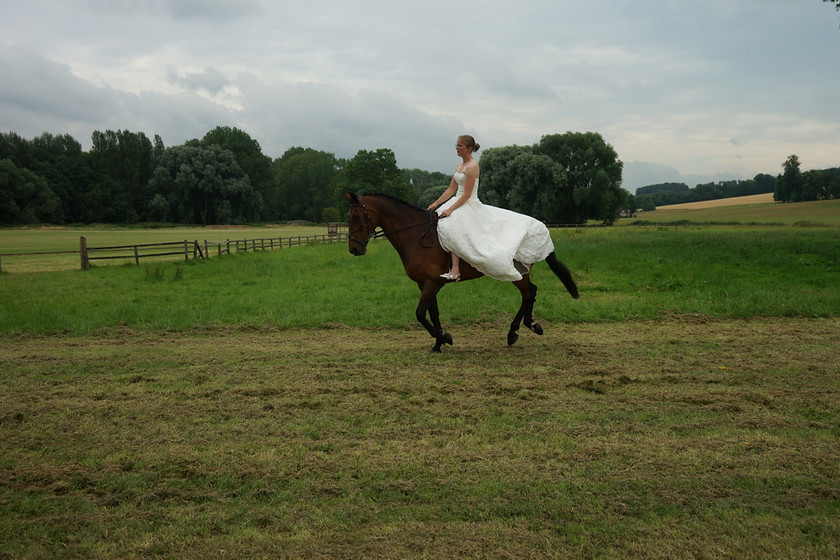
(562, 272)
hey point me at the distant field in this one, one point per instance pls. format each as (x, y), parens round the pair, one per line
(765, 198)
(748, 212)
(55, 238)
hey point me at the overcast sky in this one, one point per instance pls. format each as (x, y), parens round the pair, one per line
(684, 90)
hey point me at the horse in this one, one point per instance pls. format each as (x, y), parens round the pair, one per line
(413, 233)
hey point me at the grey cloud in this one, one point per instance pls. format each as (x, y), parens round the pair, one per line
(209, 79)
(35, 87)
(179, 9)
(701, 88)
(330, 118)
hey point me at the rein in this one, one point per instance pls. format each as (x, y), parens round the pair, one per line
(372, 233)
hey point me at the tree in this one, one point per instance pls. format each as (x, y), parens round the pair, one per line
(630, 207)
(593, 174)
(422, 181)
(61, 161)
(124, 162)
(16, 149)
(370, 172)
(159, 209)
(529, 183)
(25, 197)
(832, 183)
(330, 214)
(645, 202)
(835, 2)
(789, 183)
(498, 174)
(305, 183)
(252, 161)
(764, 183)
(205, 185)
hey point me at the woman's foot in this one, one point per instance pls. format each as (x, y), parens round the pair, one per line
(451, 277)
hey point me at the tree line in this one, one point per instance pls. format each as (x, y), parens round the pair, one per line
(790, 186)
(795, 186)
(663, 194)
(224, 178)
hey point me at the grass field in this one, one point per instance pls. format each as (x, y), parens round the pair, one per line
(284, 405)
(818, 213)
(47, 239)
(678, 438)
(625, 273)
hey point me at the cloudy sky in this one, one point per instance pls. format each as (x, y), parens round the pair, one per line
(684, 90)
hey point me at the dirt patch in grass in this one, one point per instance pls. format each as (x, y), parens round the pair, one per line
(685, 437)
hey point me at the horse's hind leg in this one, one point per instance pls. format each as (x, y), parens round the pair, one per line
(529, 311)
(526, 310)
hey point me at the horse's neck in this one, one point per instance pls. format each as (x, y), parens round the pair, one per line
(401, 225)
(395, 217)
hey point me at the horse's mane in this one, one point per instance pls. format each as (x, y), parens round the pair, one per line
(398, 201)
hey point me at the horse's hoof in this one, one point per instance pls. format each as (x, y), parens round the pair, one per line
(537, 328)
(444, 338)
(512, 338)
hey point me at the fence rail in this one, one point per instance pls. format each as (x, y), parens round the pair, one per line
(137, 252)
(189, 248)
(194, 249)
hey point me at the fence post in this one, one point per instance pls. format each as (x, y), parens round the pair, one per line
(83, 252)
(136, 256)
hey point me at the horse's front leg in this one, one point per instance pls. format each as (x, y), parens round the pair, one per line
(526, 311)
(428, 305)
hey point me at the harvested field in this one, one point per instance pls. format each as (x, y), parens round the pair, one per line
(765, 198)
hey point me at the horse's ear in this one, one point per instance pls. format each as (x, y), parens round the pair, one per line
(352, 198)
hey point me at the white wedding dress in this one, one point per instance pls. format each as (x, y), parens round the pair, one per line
(492, 238)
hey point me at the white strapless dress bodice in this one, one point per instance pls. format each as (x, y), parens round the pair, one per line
(490, 238)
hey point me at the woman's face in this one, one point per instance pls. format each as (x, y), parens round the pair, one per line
(460, 149)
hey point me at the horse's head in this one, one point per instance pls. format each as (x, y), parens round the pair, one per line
(361, 227)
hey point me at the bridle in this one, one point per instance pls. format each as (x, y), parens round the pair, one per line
(372, 233)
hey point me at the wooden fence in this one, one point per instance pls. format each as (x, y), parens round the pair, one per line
(190, 249)
(195, 250)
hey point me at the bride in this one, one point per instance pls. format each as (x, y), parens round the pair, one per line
(493, 240)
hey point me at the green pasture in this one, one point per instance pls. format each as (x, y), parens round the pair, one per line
(815, 213)
(283, 404)
(623, 273)
(56, 239)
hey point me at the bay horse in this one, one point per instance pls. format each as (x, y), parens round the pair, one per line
(413, 233)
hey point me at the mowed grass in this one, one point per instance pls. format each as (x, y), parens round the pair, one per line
(683, 438)
(283, 404)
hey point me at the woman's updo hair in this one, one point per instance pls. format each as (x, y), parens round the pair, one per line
(469, 142)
